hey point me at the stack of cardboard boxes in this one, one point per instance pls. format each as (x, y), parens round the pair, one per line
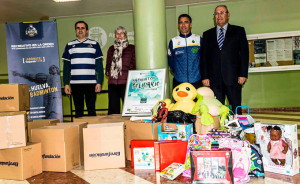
(18, 160)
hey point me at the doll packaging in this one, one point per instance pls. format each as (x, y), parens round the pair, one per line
(279, 147)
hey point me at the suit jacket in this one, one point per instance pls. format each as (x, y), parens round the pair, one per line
(229, 63)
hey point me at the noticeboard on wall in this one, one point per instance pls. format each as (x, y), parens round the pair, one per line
(274, 51)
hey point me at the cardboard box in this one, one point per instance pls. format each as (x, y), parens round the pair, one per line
(138, 130)
(80, 126)
(104, 146)
(12, 129)
(21, 163)
(88, 119)
(174, 131)
(60, 147)
(37, 123)
(169, 152)
(289, 137)
(202, 129)
(117, 116)
(14, 97)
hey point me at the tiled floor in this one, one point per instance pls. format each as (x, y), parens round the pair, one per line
(129, 176)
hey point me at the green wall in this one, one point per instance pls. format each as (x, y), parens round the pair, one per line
(269, 89)
(262, 90)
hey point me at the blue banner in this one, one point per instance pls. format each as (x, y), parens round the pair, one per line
(32, 58)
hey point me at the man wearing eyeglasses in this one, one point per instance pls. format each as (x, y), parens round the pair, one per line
(225, 58)
(184, 54)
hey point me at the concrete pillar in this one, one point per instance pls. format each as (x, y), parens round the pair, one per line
(150, 34)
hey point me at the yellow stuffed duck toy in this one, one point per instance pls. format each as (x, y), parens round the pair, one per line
(184, 95)
(208, 106)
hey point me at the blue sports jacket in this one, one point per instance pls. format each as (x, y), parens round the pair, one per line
(184, 57)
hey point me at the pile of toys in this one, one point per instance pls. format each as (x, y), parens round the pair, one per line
(221, 148)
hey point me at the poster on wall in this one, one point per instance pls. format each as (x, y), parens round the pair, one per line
(32, 58)
(143, 90)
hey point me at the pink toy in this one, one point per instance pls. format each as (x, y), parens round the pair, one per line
(277, 147)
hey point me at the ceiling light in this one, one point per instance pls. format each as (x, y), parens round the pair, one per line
(62, 1)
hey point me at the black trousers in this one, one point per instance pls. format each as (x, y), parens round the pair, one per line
(197, 84)
(81, 92)
(233, 93)
(115, 93)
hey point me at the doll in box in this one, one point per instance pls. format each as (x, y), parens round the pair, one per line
(277, 147)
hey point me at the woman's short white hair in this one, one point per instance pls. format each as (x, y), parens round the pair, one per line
(121, 28)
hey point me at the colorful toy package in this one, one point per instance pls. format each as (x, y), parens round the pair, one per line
(241, 158)
(211, 167)
(280, 151)
(172, 171)
(218, 133)
(174, 131)
(257, 167)
(196, 142)
(144, 158)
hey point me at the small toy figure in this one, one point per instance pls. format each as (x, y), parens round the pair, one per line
(162, 113)
(277, 147)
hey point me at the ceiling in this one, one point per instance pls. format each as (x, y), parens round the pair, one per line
(34, 10)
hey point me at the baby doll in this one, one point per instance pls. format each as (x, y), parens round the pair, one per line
(277, 147)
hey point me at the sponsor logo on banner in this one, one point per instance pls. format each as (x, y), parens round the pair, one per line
(98, 34)
(31, 31)
(34, 60)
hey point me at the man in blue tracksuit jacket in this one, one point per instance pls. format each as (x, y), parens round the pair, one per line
(184, 54)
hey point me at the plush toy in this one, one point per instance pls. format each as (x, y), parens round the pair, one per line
(209, 106)
(184, 95)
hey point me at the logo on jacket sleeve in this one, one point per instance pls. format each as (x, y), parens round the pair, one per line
(195, 50)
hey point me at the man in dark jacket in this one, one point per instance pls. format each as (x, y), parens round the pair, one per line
(225, 58)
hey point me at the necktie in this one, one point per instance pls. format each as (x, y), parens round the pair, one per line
(221, 38)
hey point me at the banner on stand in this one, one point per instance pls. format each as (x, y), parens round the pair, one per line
(143, 90)
(32, 58)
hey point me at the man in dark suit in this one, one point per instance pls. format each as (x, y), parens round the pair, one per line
(225, 59)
